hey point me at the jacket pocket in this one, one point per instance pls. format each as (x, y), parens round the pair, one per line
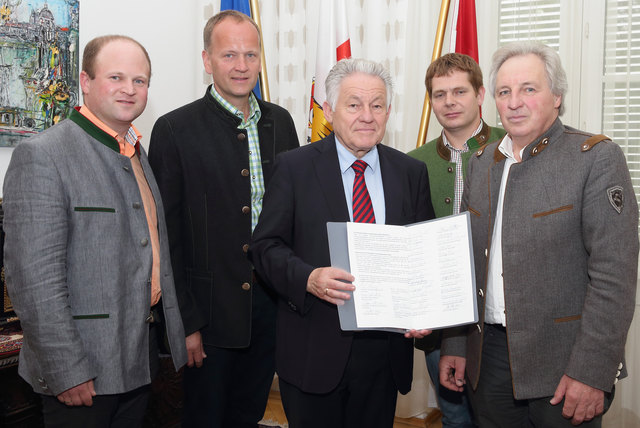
(90, 316)
(567, 319)
(95, 209)
(553, 211)
(474, 212)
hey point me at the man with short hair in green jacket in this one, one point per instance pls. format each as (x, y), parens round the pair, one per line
(455, 89)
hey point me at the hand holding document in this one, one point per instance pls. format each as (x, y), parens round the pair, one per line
(419, 276)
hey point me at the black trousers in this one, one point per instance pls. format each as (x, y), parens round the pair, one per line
(231, 388)
(124, 410)
(365, 397)
(493, 402)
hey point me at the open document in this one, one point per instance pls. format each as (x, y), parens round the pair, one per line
(419, 276)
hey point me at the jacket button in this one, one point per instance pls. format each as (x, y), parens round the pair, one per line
(241, 137)
(245, 172)
(447, 200)
(449, 169)
(481, 292)
(245, 248)
(136, 205)
(620, 366)
(246, 286)
(479, 329)
(486, 252)
(246, 210)
(144, 242)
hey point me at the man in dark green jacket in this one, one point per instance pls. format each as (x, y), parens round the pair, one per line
(454, 85)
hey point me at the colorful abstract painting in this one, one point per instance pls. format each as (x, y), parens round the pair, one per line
(38, 65)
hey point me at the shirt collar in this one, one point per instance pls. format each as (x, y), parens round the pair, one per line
(132, 136)
(506, 148)
(465, 146)
(254, 107)
(346, 158)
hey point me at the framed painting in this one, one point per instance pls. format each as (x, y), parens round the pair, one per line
(38, 65)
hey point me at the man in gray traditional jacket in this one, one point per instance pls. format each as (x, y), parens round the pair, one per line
(86, 251)
(555, 239)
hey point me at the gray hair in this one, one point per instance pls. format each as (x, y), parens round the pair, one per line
(346, 67)
(556, 76)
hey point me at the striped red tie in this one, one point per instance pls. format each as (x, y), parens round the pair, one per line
(362, 208)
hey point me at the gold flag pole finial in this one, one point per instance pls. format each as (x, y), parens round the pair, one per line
(264, 81)
(437, 51)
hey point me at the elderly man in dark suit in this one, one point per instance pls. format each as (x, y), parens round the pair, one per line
(329, 377)
(86, 251)
(555, 239)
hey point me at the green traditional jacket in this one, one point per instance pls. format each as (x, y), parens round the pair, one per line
(442, 172)
(442, 179)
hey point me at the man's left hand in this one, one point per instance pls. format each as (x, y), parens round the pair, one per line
(416, 334)
(581, 401)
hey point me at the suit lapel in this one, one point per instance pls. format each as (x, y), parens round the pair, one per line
(392, 185)
(327, 170)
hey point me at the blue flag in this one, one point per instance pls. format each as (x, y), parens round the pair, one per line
(241, 6)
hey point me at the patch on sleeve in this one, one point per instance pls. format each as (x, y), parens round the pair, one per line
(616, 197)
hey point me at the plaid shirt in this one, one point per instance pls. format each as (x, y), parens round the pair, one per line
(255, 163)
(456, 157)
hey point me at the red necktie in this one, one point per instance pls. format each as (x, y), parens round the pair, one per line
(362, 208)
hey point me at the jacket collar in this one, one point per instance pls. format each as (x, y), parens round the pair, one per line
(475, 142)
(94, 131)
(219, 108)
(533, 149)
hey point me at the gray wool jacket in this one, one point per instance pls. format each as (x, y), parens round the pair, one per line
(78, 262)
(570, 260)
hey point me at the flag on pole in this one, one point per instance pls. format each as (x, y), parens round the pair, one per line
(244, 7)
(464, 37)
(333, 45)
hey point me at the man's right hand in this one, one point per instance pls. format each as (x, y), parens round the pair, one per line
(452, 372)
(328, 283)
(195, 351)
(79, 395)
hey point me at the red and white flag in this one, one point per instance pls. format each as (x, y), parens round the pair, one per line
(464, 36)
(333, 45)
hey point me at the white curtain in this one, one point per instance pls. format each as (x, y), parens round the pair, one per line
(398, 33)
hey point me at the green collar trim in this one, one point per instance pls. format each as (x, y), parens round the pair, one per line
(91, 129)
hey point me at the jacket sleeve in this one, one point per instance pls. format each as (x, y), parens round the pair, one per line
(611, 242)
(36, 226)
(164, 159)
(271, 250)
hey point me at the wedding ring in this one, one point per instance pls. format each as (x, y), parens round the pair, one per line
(326, 291)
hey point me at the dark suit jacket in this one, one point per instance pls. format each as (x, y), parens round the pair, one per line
(290, 241)
(201, 162)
